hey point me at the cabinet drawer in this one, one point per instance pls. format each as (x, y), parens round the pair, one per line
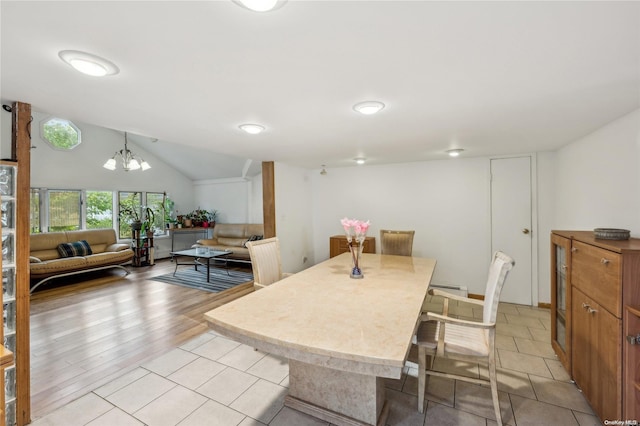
(598, 273)
(338, 244)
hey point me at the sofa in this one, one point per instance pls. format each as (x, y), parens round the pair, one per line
(232, 237)
(56, 254)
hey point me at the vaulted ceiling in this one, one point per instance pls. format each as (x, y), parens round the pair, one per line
(493, 78)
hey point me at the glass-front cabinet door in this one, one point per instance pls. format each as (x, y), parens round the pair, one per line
(561, 298)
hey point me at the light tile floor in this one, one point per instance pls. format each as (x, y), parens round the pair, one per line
(214, 381)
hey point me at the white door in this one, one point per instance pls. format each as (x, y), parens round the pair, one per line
(511, 223)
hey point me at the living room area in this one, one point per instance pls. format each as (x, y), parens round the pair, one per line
(530, 90)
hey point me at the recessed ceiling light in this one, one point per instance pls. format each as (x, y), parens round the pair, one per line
(360, 160)
(454, 152)
(368, 107)
(88, 64)
(260, 5)
(252, 129)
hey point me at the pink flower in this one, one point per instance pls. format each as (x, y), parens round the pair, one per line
(355, 226)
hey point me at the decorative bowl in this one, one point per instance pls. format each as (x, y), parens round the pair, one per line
(611, 234)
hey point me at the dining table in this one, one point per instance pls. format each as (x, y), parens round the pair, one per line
(343, 337)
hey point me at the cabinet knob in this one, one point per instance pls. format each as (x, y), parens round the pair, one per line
(585, 305)
(564, 267)
(604, 261)
(573, 249)
(525, 231)
(591, 310)
(634, 340)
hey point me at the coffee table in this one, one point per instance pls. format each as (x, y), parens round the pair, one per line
(197, 254)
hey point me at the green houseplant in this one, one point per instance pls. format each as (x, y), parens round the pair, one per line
(201, 217)
(136, 216)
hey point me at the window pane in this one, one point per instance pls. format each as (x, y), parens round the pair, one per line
(34, 215)
(154, 202)
(130, 209)
(60, 133)
(64, 210)
(99, 207)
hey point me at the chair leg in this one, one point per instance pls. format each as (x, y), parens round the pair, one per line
(422, 377)
(494, 392)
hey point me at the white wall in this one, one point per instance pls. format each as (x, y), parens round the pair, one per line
(294, 216)
(81, 168)
(228, 196)
(598, 179)
(446, 202)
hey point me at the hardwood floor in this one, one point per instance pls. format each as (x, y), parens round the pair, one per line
(99, 326)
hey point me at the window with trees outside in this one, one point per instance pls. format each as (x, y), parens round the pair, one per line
(60, 133)
(34, 216)
(99, 209)
(64, 210)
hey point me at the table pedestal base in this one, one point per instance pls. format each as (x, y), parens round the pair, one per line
(339, 397)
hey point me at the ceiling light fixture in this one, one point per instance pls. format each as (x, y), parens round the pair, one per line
(454, 152)
(130, 161)
(368, 107)
(360, 160)
(260, 5)
(88, 64)
(252, 129)
(323, 172)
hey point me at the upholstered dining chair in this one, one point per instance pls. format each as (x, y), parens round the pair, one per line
(399, 243)
(449, 337)
(265, 262)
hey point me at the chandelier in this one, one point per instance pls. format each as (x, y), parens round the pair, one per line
(130, 161)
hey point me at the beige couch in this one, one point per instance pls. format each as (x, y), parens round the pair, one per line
(232, 236)
(46, 261)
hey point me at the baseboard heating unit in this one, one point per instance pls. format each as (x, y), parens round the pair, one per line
(457, 290)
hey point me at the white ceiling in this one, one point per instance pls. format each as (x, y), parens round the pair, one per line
(490, 77)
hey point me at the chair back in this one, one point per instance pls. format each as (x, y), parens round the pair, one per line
(399, 243)
(501, 264)
(265, 260)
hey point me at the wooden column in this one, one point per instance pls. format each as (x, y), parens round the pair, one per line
(268, 199)
(21, 153)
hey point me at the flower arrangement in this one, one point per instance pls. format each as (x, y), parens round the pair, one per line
(356, 231)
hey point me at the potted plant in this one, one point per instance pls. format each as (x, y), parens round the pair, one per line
(211, 219)
(201, 217)
(130, 212)
(147, 223)
(166, 206)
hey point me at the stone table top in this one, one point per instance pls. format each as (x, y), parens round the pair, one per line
(324, 317)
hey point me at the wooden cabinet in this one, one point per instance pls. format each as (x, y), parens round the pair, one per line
(338, 244)
(605, 286)
(561, 298)
(597, 367)
(631, 355)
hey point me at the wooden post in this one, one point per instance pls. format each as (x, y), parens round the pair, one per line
(268, 199)
(21, 153)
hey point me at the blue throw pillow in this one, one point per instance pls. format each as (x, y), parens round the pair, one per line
(78, 248)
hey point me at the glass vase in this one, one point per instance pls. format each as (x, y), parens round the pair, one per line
(356, 254)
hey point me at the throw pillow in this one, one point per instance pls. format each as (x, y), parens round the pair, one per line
(253, 238)
(78, 248)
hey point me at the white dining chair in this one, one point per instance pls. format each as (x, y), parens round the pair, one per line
(265, 262)
(443, 336)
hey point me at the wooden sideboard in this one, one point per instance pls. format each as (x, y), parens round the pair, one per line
(338, 244)
(603, 305)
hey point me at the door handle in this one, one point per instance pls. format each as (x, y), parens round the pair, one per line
(525, 231)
